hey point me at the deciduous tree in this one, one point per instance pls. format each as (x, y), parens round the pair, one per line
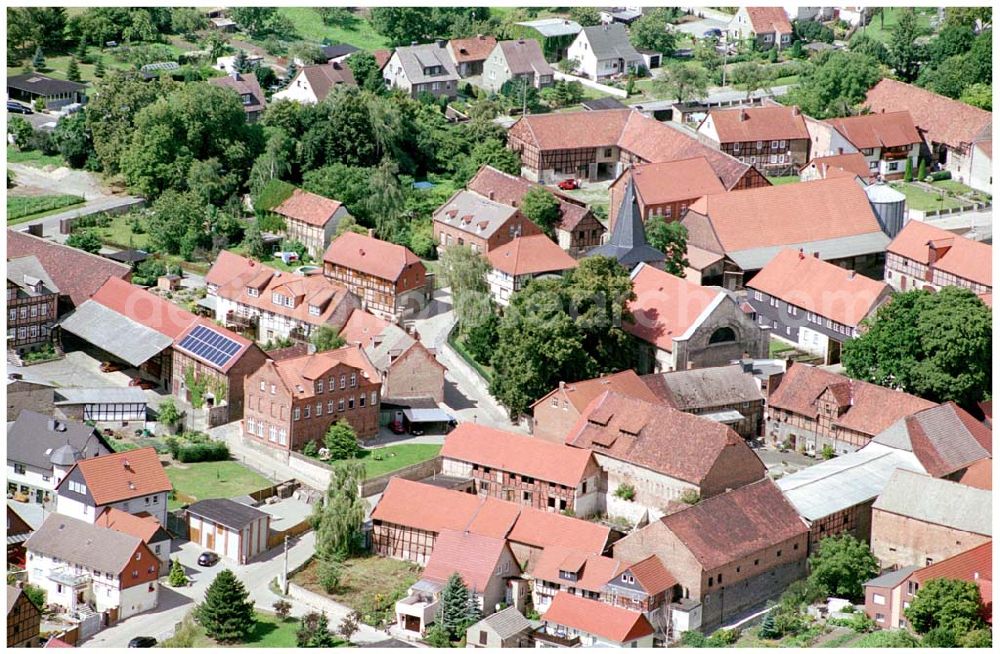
(650, 31)
(86, 240)
(951, 604)
(341, 441)
(327, 337)
(682, 82)
(541, 207)
(904, 53)
(339, 518)
(842, 565)
(671, 239)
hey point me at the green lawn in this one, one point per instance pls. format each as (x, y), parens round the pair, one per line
(791, 179)
(33, 158)
(269, 631)
(21, 208)
(371, 585)
(883, 30)
(310, 27)
(958, 188)
(199, 481)
(119, 232)
(921, 200)
(394, 457)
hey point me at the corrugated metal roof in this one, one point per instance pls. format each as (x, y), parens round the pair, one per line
(548, 27)
(426, 415)
(844, 481)
(109, 330)
(834, 248)
(891, 579)
(110, 395)
(938, 501)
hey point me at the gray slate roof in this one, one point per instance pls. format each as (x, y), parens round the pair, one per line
(705, 387)
(226, 512)
(42, 85)
(393, 341)
(414, 58)
(109, 330)
(951, 440)
(628, 242)
(611, 42)
(892, 579)
(507, 623)
(26, 272)
(31, 441)
(549, 27)
(833, 248)
(80, 543)
(938, 501)
(474, 214)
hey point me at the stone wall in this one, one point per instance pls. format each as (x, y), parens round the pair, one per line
(900, 541)
(414, 472)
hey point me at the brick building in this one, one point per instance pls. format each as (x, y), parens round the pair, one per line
(666, 189)
(468, 218)
(311, 220)
(292, 401)
(654, 455)
(391, 281)
(773, 138)
(32, 304)
(729, 552)
(812, 408)
(920, 520)
(925, 256)
(523, 470)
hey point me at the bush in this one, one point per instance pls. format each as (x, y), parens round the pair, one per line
(828, 452)
(625, 492)
(859, 623)
(341, 441)
(310, 449)
(198, 452)
(940, 175)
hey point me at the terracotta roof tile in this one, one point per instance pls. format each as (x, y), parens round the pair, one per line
(593, 617)
(530, 255)
(769, 19)
(323, 77)
(871, 410)
(539, 528)
(673, 181)
(733, 525)
(144, 527)
(476, 48)
(300, 373)
(957, 255)
(382, 57)
(144, 307)
(944, 438)
(820, 287)
(308, 207)
(593, 571)
(660, 438)
(580, 393)
(666, 306)
(122, 476)
(758, 124)
(772, 215)
(76, 273)
(371, 256)
(853, 164)
(975, 565)
(939, 119)
(243, 84)
(552, 462)
(882, 130)
(979, 475)
(511, 189)
(362, 327)
(652, 575)
(228, 265)
(472, 556)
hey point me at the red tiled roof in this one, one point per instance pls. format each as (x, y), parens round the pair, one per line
(727, 527)
(300, 373)
(820, 287)
(939, 119)
(769, 19)
(228, 265)
(362, 327)
(308, 207)
(652, 575)
(382, 57)
(871, 408)
(580, 393)
(758, 123)
(946, 439)
(243, 84)
(666, 306)
(974, 565)
(772, 215)
(987, 299)
(120, 476)
(552, 462)
(144, 307)
(476, 48)
(882, 130)
(979, 475)
(371, 256)
(76, 273)
(55, 643)
(585, 129)
(511, 189)
(612, 623)
(963, 257)
(853, 164)
(530, 255)
(659, 438)
(673, 181)
(472, 556)
(593, 570)
(144, 527)
(430, 508)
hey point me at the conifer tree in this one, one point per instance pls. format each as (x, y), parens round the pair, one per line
(177, 576)
(99, 68)
(908, 171)
(922, 170)
(38, 60)
(73, 70)
(455, 607)
(227, 613)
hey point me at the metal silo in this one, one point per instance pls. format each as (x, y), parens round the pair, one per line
(889, 206)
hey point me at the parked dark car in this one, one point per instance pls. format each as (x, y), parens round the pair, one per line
(18, 108)
(396, 427)
(142, 641)
(208, 559)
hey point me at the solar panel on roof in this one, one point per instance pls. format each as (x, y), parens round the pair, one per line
(209, 345)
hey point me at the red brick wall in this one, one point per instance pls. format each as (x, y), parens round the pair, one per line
(417, 373)
(737, 465)
(900, 541)
(552, 423)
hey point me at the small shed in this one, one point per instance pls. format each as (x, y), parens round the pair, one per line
(130, 257)
(228, 528)
(111, 404)
(168, 282)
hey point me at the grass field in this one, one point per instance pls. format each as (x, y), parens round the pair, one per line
(958, 188)
(119, 232)
(310, 27)
(882, 30)
(371, 585)
(791, 179)
(199, 481)
(921, 200)
(269, 631)
(33, 158)
(22, 208)
(394, 457)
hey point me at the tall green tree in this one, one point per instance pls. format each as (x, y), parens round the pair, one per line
(99, 70)
(112, 111)
(256, 21)
(842, 565)
(73, 139)
(327, 337)
(366, 71)
(314, 631)
(385, 201)
(454, 612)
(32, 27)
(177, 577)
(650, 31)
(904, 52)
(951, 604)
(864, 44)
(38, 60)
(73, 70)
(751, 76)
(682, 82)
(671, 239)
(542, 208)
(978, 95)
(465, 272)
(338, 520)
(585, 16)
(935, 345)
(227, 612)
(839, 82)
(597, 293)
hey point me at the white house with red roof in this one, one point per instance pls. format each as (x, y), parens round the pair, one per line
(815, 305)
(925, 256)
(682, 325)
(886, 140)
(573, 621)
(311, 219)
(768, 26)
(514, 264)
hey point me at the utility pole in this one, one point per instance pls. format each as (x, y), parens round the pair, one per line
(284, 573)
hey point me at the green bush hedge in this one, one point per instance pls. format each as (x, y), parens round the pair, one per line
(198, 452)
(941, 174)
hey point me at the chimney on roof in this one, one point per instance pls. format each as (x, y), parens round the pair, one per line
(796, 111)
(371, 232)
(479, 36)
(840, 150)
(816, 254)
(492, 195)
(440, 43)
(562, 385)
(802, 255)
(125, 464)
(16, 375)
(743, 115)
(235, 74)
